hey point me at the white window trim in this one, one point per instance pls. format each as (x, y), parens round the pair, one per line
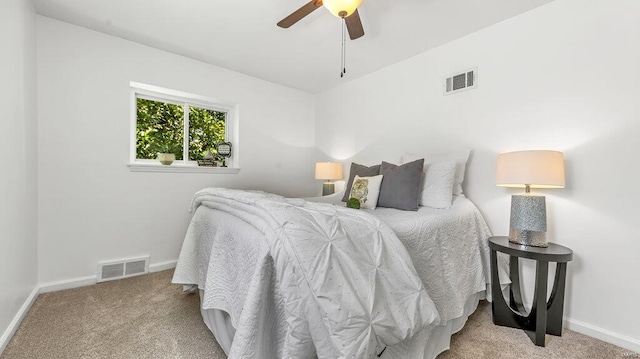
(183, 98)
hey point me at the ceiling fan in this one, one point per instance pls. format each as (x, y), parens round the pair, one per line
(344, 9)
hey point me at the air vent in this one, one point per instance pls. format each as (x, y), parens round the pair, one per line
(112, 271)
(123, 268)
(461, 81)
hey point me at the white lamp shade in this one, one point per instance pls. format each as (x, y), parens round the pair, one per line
(328, 170)
(539, 169)
(337, 6)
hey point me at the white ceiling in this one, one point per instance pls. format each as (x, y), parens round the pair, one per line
(242, 35)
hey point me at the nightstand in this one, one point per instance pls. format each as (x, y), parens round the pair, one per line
(544, 317)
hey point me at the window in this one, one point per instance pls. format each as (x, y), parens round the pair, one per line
(162, 117)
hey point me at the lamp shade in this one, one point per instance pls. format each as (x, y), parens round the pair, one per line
(328, 170)
(538, 169)
(338, 6)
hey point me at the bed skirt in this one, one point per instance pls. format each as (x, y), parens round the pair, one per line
(431, 341)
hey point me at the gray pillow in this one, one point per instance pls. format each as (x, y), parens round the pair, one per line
(401, 185)
(362, 171)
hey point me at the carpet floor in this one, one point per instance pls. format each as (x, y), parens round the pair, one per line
(148, 317)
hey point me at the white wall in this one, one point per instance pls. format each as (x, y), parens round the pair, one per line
(564, 76)
(91, 207)
(18, 143)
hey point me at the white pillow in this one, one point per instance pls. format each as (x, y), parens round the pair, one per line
(367, 190)
(437, 184)
(461, 164)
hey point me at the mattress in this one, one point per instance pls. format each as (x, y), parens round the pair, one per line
(223, 256)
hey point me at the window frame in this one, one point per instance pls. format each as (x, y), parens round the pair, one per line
(155, 93)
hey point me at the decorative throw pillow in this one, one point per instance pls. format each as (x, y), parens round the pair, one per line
(437, 184)
(401, 185)
(461, 165)
(366, 190)
(362, 171)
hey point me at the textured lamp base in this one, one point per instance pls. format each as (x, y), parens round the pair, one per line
(528, 238)
(528, 224)
(328, 188)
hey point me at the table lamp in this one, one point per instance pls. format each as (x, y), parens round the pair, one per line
(328, 171)
(529, 169)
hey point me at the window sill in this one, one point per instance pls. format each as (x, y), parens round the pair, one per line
(179, 168)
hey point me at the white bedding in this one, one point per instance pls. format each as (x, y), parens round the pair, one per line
(235, 270)
(348, 285)
(449, 249)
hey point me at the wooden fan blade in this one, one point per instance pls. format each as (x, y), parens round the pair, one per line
(354, 25)
(300, 13)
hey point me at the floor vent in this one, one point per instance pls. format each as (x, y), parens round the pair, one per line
(123, 268)
(465, 80)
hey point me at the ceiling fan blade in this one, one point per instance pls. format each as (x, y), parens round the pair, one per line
(300, 13)
(354, 25)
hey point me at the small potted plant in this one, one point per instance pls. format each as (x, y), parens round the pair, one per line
(166, 154)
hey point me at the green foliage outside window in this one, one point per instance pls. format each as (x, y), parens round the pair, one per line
(206, 130)
(160, 128)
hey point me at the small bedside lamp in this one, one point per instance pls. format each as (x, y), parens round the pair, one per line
(529, 169)
(328, 171)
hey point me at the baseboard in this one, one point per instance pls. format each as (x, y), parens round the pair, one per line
(15, 323)
(68, 284)
(605, 335)
(92, 279)
(158, 267)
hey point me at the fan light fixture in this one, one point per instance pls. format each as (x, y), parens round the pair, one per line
(341, 8)
(346, 10)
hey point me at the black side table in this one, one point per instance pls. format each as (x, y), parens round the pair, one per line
(544, 318)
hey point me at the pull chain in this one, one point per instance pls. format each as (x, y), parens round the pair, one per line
(343, 59)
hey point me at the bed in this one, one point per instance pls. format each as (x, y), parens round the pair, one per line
(246, 301)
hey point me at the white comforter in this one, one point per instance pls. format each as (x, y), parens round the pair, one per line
(340, 279)
(449, 249)
(450, 252)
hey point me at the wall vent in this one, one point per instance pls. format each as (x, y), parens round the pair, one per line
(461, 81)
(123, 268)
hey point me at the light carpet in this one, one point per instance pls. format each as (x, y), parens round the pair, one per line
(147, 317)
